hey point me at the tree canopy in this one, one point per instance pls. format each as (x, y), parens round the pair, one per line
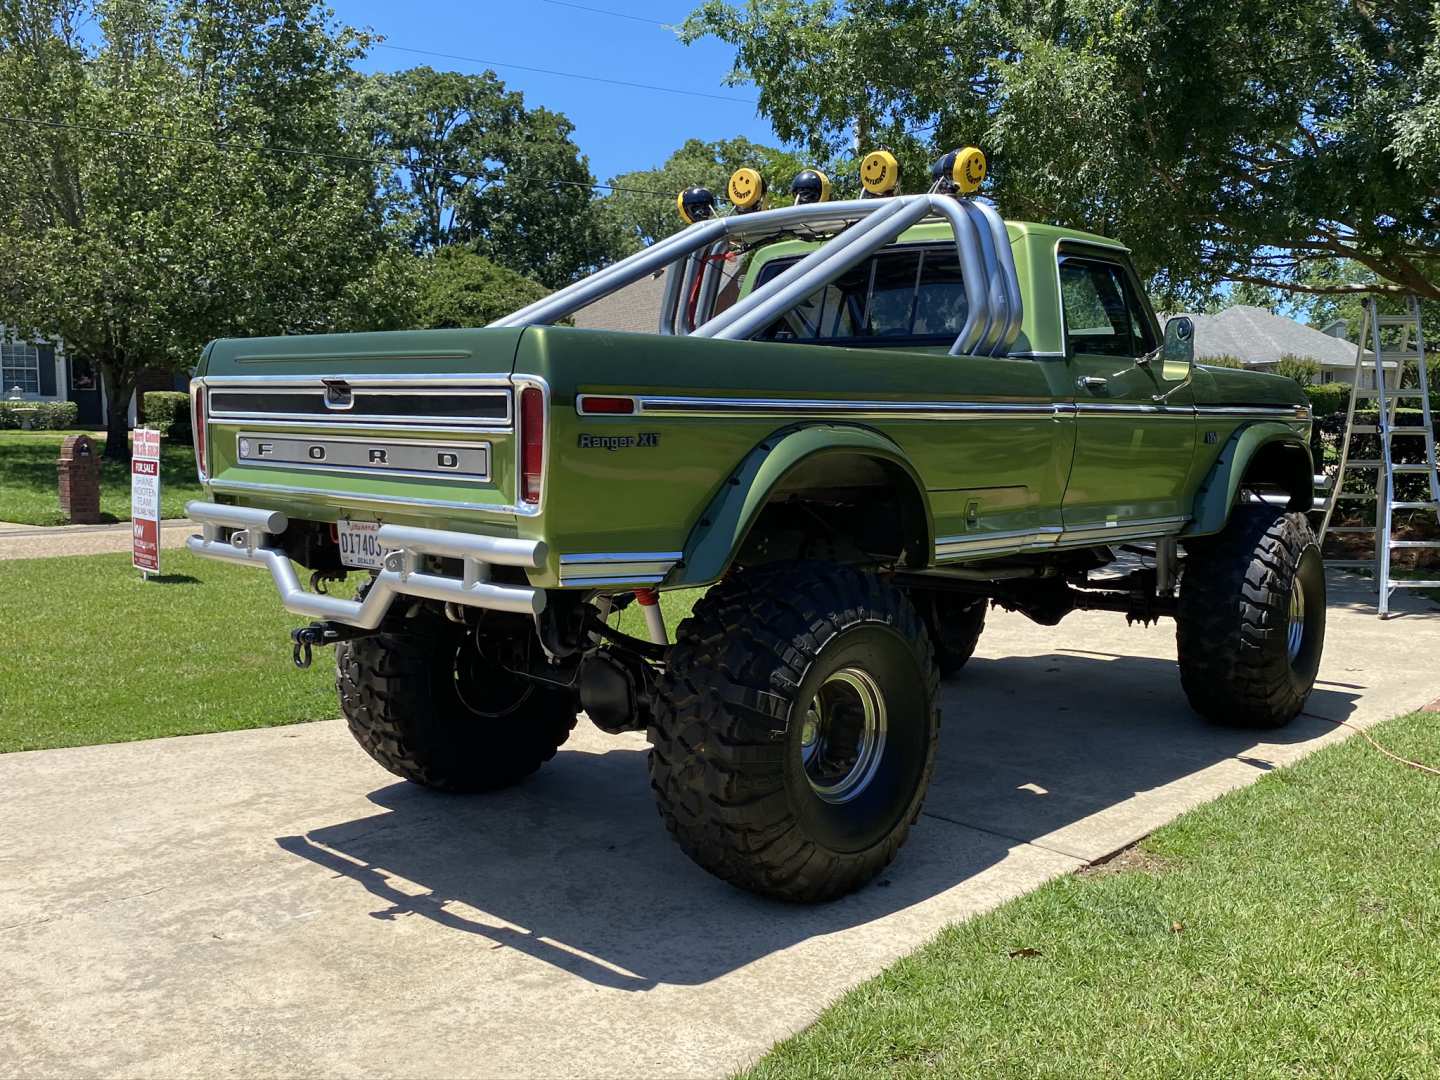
(1244, 142)
(150, 212)
(642, 209)
(475, 166)
(460, 288)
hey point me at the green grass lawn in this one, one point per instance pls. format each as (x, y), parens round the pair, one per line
(96, 655)
(1291, 928)
(28, 483)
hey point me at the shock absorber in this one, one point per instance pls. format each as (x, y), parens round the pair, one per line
(649, 601)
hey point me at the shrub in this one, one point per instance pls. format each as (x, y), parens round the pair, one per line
(1328, 399)
(460, 288)
(40, 415)
(1222, 360)
(168, 411)
(1300, 368)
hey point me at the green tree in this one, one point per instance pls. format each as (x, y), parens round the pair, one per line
(642, 209)
(1240, 142)
(460, 288)
(1302, 369)
(475, 166)
(144, 214)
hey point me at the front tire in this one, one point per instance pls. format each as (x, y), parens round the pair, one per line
(955, 622)
(428, 706)
(1251, 621)
(796, 730)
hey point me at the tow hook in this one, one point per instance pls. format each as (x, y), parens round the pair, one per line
(321, 634)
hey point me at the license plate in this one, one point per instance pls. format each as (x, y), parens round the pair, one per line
(360, 543)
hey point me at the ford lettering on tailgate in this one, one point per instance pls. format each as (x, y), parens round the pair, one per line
(389, 457)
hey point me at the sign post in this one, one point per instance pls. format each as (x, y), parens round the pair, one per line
(145, 502)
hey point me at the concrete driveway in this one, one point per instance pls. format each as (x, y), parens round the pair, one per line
(270, 903)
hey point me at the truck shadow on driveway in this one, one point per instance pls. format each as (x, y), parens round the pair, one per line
(575, 869)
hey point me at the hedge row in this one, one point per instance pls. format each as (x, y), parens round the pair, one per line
(168, 411)
(41, 415)
(1328, 399)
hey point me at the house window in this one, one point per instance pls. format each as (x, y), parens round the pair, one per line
(19, 367)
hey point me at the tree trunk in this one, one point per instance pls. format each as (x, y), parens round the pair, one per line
(119, 385)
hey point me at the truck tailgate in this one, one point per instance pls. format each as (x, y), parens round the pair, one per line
(406, 426)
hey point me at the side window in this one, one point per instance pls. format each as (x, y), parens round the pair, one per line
(914, 295)
(1103, 316)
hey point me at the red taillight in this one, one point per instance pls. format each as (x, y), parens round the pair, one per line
(532, 442)
(591, 404)
(197, 423)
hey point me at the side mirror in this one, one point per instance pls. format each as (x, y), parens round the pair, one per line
(1177, 351)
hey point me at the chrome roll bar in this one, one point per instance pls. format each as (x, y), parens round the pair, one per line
(992, 289)
(400, 574)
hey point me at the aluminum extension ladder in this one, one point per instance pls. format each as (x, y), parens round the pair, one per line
(1408, 357)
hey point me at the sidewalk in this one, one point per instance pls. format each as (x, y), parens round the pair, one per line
(18, 541)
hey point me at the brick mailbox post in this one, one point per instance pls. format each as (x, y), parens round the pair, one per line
(79, 468)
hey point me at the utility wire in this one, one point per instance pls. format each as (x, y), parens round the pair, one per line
(288, 151)
(604, 11)
(568, 74)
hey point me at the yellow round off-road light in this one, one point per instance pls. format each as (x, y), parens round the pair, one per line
(880, 173)
(746, 189)
(695, 204)
(968, 170)
(810, 186)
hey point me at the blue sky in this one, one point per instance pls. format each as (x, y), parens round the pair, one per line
(619, 128)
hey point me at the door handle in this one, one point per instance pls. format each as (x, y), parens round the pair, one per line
(1091, 382)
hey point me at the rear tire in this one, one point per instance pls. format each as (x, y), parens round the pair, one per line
(796, 729)
(425, 704)
(955, 622)
(1251, 621)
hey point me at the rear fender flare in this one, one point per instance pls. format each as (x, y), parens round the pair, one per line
(1285, 458)
(727, 520)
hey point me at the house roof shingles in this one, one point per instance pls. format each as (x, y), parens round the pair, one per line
(635, 309)
(1258, 337)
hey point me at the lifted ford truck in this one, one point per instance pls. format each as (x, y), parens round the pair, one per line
(859, 424)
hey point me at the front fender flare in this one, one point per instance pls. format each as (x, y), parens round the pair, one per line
(728, 518)
(1221, 485)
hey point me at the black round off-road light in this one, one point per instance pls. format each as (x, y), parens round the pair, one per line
(810, 186)
(695, 204)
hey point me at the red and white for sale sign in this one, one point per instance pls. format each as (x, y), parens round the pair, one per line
(145, 501)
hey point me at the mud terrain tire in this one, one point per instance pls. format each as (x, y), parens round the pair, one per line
(424, 704)
(955, 622)
(766, 763)
(1251, 621)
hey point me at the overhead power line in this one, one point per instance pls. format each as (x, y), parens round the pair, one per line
(297, 152)
(605, 11)
(568, 74)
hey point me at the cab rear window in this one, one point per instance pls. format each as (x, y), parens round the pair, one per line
(911, 295)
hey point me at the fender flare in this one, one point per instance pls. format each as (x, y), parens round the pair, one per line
(1217, 492)
(727, 520)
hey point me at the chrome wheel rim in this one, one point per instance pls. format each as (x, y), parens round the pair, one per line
(842, 735)
(1295, 628)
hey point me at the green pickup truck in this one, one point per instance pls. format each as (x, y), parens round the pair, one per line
(858, 425)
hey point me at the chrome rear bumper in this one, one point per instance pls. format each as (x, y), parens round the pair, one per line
(399, 577)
